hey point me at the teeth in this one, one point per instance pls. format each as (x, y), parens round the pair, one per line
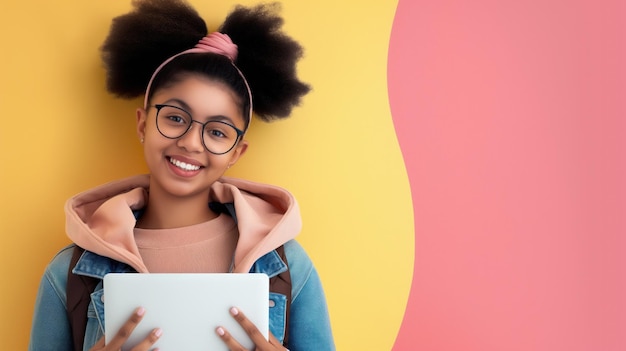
(183, 165)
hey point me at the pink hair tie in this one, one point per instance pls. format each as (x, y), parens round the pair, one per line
(217, 43)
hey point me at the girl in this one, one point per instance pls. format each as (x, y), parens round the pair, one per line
(200, 92)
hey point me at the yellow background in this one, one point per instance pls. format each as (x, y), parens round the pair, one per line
(62, 133)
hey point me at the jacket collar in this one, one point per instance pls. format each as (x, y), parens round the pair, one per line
(270, 264)
(96, 266)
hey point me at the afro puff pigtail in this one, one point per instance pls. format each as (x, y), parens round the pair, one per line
(139, 41)
(267, 57)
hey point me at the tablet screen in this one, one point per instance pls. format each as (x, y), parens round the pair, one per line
(188, 307)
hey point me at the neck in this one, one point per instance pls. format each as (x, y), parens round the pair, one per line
(166, 212)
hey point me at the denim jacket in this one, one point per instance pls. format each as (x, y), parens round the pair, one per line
(309, 326)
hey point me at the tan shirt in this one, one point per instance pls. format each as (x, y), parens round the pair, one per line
(202, 248)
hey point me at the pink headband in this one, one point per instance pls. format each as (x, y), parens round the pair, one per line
(217, 43)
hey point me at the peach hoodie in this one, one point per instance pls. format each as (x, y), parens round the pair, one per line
(101, 219)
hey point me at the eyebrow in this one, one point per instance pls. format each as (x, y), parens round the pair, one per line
(189, 110)
(179, 102)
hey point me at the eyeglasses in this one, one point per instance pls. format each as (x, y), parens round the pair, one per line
(218, 137)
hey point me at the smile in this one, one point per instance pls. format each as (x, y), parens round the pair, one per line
(183, 165)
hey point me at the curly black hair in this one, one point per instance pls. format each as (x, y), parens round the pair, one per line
(155, 30)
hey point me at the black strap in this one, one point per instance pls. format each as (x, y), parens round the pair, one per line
(282, 284)
(79, 289)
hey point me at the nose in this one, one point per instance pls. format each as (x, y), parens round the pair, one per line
(192, 141)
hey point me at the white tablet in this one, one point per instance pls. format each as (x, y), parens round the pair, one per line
(188, 307)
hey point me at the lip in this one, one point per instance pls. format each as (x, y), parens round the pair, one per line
(183, 172)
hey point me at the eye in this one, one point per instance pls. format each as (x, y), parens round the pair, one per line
(219, 131)
(176, 119)
(216, 133)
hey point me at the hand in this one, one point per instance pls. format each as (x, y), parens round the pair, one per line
(124, 333)
(259, 340)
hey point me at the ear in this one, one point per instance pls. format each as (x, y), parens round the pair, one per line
(240, 149)
(142, 115)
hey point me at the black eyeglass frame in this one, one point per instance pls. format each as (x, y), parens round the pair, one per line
(158, 107)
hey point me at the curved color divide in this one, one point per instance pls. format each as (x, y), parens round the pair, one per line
(510, 116)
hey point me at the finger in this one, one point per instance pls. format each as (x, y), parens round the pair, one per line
(249, 327)
(99, 345)
(228, 339)
(127, 329)
(146, 343)
(273, 340)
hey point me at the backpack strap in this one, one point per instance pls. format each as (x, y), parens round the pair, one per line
(78, 290)
(281, 284)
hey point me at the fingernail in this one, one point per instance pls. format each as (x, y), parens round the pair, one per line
(220, 331)
(158, 332)
(141, 311)
(234, 311)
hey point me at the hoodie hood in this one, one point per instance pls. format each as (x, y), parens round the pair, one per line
(101, 220)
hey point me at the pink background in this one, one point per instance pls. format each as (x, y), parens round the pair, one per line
(510, 116)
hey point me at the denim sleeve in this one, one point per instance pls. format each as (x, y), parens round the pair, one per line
(50, 326)
(309, 323)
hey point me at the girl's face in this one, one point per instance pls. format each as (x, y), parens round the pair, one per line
(183, 167)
